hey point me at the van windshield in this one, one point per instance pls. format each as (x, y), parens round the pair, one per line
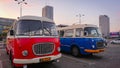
(92, 32)
(35, 28)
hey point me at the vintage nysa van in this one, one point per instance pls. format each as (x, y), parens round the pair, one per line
(81, 39)
(33, 39)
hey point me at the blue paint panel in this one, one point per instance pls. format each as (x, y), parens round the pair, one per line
(66, 44)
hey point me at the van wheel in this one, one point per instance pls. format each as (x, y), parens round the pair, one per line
(75, 51)
(11, 60)
(7, 51)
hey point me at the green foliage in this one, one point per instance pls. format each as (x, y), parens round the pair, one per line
(4, 34)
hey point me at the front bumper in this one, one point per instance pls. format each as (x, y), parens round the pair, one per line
(35, 60)
(94, 51)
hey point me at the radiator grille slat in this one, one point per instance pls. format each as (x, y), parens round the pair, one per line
(43, 48)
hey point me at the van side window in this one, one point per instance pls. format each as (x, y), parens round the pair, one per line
(78, 32)
(9, 31)
(15, 27)
(61, 33)
(69, 33)
(8, 34)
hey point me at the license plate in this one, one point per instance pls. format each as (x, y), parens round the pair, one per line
(45, 59)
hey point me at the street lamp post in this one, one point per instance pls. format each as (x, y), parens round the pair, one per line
(21, 2)
(80, 15)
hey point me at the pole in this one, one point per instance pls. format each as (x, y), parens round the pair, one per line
(79, 16)
(21, 2)
(20, 9)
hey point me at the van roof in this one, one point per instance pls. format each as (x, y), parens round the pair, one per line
(35, 18)
(76, 26)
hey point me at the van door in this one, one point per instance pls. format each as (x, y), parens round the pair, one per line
(67, 40)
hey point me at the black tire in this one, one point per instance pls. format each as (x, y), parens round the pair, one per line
(75, 51)
(90, 54)
(7, 52)
(11, 60)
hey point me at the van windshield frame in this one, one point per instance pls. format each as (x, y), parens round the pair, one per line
(92, 32)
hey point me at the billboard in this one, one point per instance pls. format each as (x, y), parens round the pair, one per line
(114, 34)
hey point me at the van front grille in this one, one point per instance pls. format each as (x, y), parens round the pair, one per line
(100, 45)
(43, 48)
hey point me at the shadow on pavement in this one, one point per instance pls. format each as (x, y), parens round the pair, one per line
(43, 65)
(92, 57)
(88, 57)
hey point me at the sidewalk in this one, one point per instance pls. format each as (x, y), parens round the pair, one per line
(2, 44)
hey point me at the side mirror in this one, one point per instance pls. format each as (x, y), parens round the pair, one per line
(12, 32)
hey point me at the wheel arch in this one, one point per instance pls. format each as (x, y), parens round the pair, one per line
(74, 45)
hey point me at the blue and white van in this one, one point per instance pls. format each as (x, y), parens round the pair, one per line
(81, 39)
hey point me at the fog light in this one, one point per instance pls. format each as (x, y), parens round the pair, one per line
(25, 53)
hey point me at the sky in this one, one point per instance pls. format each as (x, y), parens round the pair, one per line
(66, 11)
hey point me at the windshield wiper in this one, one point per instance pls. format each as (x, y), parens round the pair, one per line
(47, 30)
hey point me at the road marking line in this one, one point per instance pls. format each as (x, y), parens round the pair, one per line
(78, 60)
(1, 66)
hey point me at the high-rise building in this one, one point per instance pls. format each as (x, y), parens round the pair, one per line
(104, 24)
(47, 11)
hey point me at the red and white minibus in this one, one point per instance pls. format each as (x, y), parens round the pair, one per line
(33, 39)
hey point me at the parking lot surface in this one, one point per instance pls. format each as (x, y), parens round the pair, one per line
(108, 59)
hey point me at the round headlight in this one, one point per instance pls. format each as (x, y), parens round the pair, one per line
(25, 53)
(105, 44)
(93, 46)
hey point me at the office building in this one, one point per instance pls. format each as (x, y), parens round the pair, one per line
(104, 24)
(47, 11)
